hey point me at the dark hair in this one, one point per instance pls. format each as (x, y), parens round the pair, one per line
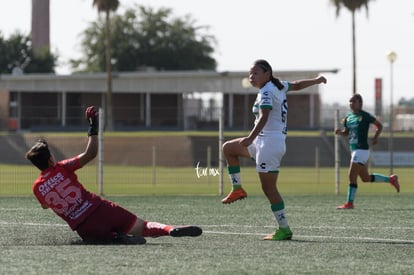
(39, 154)
(265, 66)
(356, 97)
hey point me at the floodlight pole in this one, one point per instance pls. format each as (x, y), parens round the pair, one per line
(337, 155)
(220, 152)
(391, 56)
(100, 151)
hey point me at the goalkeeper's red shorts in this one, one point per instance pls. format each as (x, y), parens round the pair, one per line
(105, 222)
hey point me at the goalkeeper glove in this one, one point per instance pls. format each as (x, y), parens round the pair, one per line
(92, 116)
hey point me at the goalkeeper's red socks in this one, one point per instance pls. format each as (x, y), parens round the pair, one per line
(155, 229)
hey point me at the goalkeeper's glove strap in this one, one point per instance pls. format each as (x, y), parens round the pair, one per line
(93, 130)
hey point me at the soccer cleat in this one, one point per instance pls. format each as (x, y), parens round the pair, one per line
(394, 182)
(281, 234)
(186, 231)
(347, 205)
(121, 238)
(234, 195)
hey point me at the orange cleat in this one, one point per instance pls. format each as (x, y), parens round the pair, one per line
(347, 205)
(394, 182)
(234, 195)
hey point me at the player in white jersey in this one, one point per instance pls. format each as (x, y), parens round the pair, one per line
(266, 141)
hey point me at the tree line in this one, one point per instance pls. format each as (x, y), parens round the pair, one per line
(141, 38)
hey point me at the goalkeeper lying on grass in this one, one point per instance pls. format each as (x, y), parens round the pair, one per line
(95, 219)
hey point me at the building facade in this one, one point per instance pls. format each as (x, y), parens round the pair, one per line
(187, 100)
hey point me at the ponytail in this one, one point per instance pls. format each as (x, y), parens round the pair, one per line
(267, 68)
(277, 82)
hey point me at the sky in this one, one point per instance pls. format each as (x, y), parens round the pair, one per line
(291, 35)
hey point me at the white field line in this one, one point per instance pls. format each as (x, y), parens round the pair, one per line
(396, 241)
(312, 227)
(34, 224)
(236, 225)
(14, 209)
(5, 223)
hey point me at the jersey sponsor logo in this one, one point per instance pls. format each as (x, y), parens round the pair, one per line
(265, 98)
(78, 212)
(284, 108)
(50, 183)
(64, 197)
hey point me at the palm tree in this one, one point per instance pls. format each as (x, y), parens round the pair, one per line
(107, 6)
(352, 6)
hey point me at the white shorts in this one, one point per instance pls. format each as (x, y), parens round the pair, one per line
(360, 156)
(268, 151)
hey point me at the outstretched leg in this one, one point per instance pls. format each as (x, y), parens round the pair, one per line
(376, 177)
(155, 229)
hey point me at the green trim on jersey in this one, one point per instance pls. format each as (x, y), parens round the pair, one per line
(271, 98)
(255, 107)
(266, 107)
(358, 127)
(288, 89)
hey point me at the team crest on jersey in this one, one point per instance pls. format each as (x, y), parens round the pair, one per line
(360, 118)
(266, 101)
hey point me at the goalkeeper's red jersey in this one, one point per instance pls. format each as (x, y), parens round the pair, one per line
(58, 188)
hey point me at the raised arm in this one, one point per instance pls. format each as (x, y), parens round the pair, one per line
(304, 83)
(92, 147)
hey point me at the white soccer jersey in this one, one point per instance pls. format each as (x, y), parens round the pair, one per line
(271, 97)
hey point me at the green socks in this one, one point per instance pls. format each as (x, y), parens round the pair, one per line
(379, 178)
(278, 210)
(352, 189)
(234, 175)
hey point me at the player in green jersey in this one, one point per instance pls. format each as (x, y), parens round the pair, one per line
(356, 127)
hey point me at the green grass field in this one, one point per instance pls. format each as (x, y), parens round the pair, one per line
(375, 238)
(16, 180)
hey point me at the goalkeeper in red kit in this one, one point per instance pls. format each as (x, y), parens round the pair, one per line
(95, 219)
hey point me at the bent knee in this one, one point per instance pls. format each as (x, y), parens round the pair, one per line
(230, 146)
(225, 145)
(234, 148)
(366, 179)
